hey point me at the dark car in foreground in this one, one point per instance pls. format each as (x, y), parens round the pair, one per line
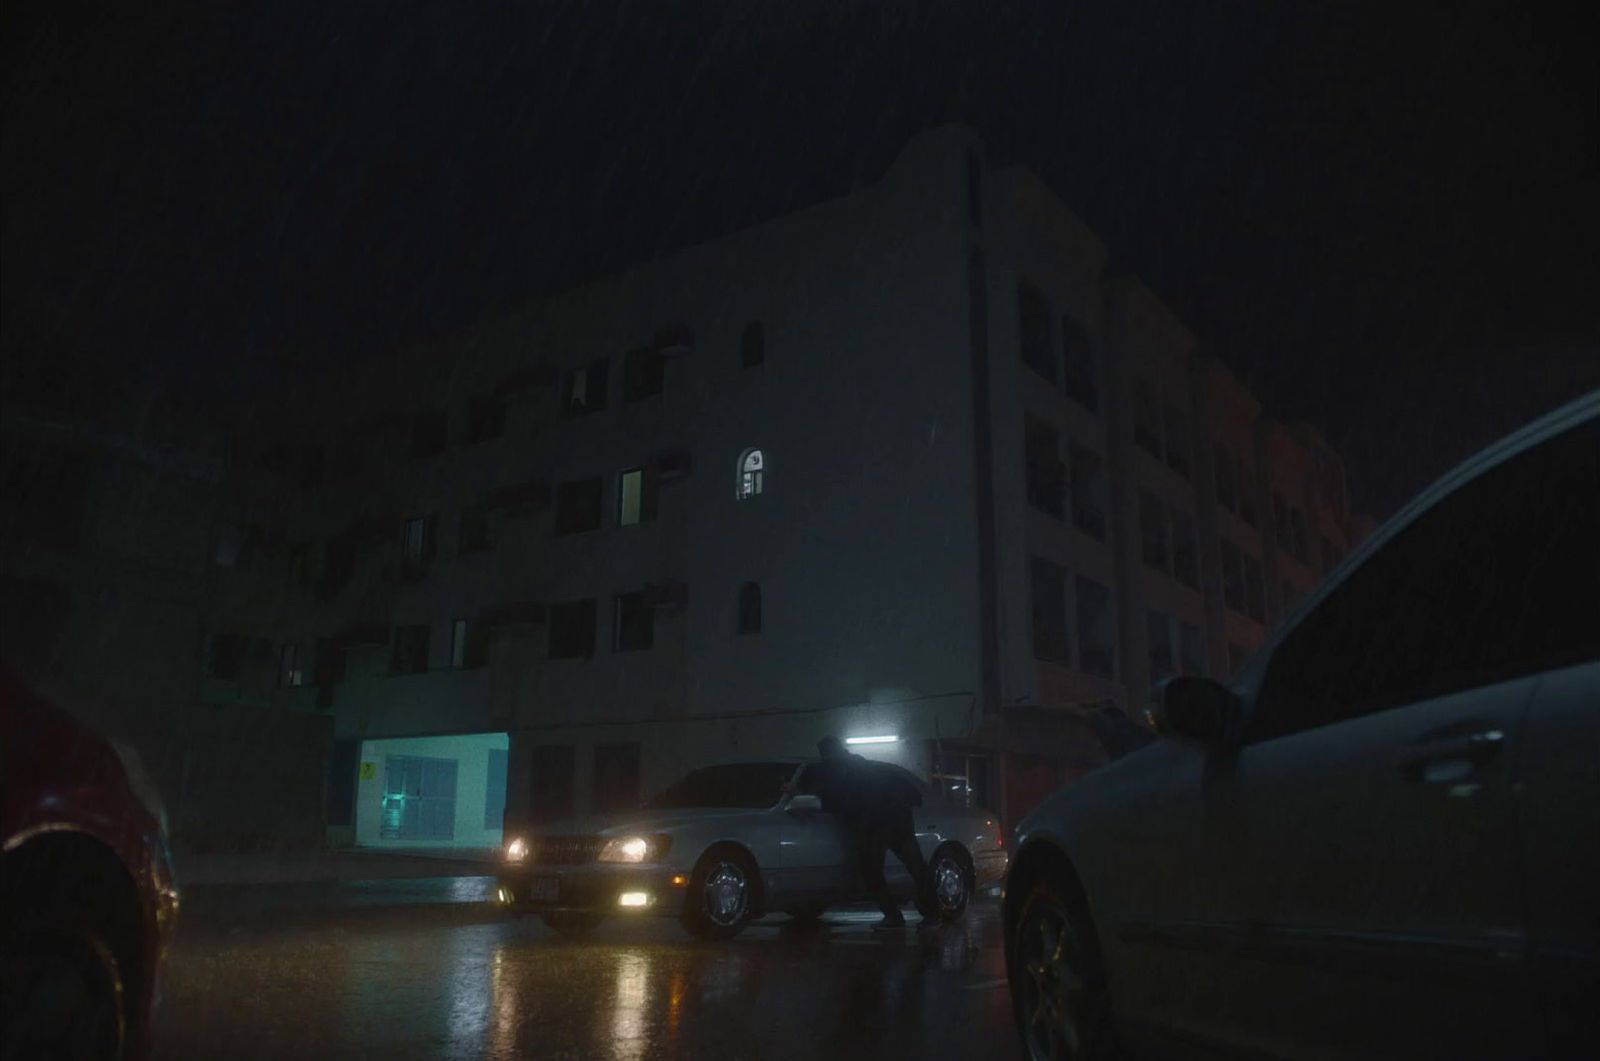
(1383, 840)
(727, 843)
(87, 897)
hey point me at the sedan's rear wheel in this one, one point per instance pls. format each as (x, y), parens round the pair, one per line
(1057, 984)
(952, 885)
(720, 895)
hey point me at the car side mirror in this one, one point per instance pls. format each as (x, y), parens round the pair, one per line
(1194, 710)
(803, 803)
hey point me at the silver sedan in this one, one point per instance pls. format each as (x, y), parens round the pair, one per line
(726, 844)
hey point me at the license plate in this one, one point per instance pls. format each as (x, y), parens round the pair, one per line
(544, 889)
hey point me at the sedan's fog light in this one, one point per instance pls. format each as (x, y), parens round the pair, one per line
(634, 899)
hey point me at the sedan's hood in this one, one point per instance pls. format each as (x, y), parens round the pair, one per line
(640, 821)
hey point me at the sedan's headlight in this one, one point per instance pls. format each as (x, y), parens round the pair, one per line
(517, 850)
(635, 849)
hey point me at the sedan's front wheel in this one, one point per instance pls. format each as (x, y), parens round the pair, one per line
(1057, 984)
(720, 895)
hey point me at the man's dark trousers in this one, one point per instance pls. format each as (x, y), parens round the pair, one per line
(894, 832)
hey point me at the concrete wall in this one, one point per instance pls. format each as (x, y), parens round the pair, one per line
(471, 753)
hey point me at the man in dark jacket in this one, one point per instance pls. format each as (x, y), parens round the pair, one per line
(873, 801)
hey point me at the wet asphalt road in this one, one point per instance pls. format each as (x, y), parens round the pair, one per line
(406, 969)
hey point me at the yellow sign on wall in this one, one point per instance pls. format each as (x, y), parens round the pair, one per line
(369, 771)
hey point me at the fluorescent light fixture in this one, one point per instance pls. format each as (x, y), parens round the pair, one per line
(634, 899)
(885, 738)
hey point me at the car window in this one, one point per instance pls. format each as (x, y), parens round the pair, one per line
(749, 785)
(1497, 580)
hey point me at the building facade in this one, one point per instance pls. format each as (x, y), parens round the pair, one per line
(907, 464)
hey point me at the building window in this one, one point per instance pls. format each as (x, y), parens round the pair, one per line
(289, 675)
(476, 530)
(635, 623)
(486, 419)
(636, 496)
(1233, 577)
(1051, 637)
(1146, 417)
(584, 389)
(616, 777)
(750, 608)
(753, 345)
(1254, 592)
(458, 644)
(1088, 491)
(1185, 553)
(414, 539)
(1153, 531)
(1191, 649)
(225, 655)
(642, 373)
(1046, 476)
(572, 626)
(1033, 316)
(1158, 632)
(410, 650)
(430, 430)
(1177, 432)
(752, 470)
(1080, 378)
(1225, 473)
(417, 545)
(1097, 640)
(577, 506)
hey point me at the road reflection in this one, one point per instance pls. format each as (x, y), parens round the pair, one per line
(630, 1004)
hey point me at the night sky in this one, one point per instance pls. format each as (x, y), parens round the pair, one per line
(1385, 223)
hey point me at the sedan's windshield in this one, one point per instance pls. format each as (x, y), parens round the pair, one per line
(751, 785)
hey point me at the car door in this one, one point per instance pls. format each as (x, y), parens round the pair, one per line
(1353, 885)
(813, 850)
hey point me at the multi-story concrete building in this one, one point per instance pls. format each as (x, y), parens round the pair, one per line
(105, 572)
(907, 464)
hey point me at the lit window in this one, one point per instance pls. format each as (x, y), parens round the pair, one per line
(632, 492)
(636, 496)
(752, 470)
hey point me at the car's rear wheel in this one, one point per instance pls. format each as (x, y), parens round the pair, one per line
(1058, 985)
(721, 894)
(952, 884)
(572, 924)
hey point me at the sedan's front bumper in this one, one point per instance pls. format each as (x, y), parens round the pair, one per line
(601, 888)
